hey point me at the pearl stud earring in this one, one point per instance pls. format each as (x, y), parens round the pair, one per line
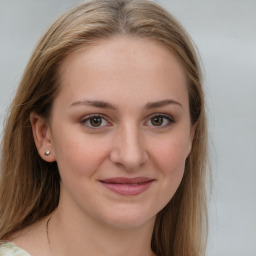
(47, 153)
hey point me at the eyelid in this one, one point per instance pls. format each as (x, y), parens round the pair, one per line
(168, 116)
(161, 114)
(164, 115)
(87, 117)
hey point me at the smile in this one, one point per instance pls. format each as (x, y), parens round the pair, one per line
(127, 186)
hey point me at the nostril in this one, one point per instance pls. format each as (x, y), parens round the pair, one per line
(127, 159)
(128, 148)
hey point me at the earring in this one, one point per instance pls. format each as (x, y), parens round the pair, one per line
(47, 153)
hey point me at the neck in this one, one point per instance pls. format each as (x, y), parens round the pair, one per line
(72, 233)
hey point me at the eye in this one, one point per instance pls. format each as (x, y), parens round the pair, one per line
(95, 121)
(160, 120)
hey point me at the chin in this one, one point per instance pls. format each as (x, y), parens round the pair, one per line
(128, 219)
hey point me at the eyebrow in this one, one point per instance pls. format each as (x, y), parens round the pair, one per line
(162, 103)
(106, 105)
(94, 103)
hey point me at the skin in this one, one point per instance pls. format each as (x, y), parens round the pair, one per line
(130, 74)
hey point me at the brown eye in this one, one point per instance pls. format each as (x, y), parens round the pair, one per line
(95, 121)
(157, 120)
(160, 121)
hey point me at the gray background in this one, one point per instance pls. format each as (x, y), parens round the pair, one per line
(225, 34)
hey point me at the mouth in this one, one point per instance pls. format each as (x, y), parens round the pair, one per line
(127, 186)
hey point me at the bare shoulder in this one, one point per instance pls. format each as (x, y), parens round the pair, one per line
(32, 239)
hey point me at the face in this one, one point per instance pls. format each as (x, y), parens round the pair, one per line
(120, 130)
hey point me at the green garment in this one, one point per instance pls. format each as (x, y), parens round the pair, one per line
(10, 249)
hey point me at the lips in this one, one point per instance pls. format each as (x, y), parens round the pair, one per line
(127, 186)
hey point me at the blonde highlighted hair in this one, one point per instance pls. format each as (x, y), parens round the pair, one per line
(29, 186)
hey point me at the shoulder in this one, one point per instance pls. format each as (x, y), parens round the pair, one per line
(28, 241)
(10, 249)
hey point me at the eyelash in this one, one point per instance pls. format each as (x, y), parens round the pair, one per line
(169, 119)
(90, 117)
(166, 118)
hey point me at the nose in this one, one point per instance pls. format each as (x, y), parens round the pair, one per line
(128, 149)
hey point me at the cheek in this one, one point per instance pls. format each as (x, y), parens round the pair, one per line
(171, 154)
(169, 160)
(79, 154)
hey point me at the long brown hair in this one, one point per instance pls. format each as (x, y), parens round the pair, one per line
(29, 186)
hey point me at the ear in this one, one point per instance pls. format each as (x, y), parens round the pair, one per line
(191, 137)
(42, 137)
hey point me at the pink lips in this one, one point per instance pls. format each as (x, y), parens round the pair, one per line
(127, 186)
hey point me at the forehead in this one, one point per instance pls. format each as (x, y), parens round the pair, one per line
(125, 49)
(123, 66)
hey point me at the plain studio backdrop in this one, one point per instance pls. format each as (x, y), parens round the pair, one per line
(225, 34)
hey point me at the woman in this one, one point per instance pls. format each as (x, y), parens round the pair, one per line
(105, 147)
